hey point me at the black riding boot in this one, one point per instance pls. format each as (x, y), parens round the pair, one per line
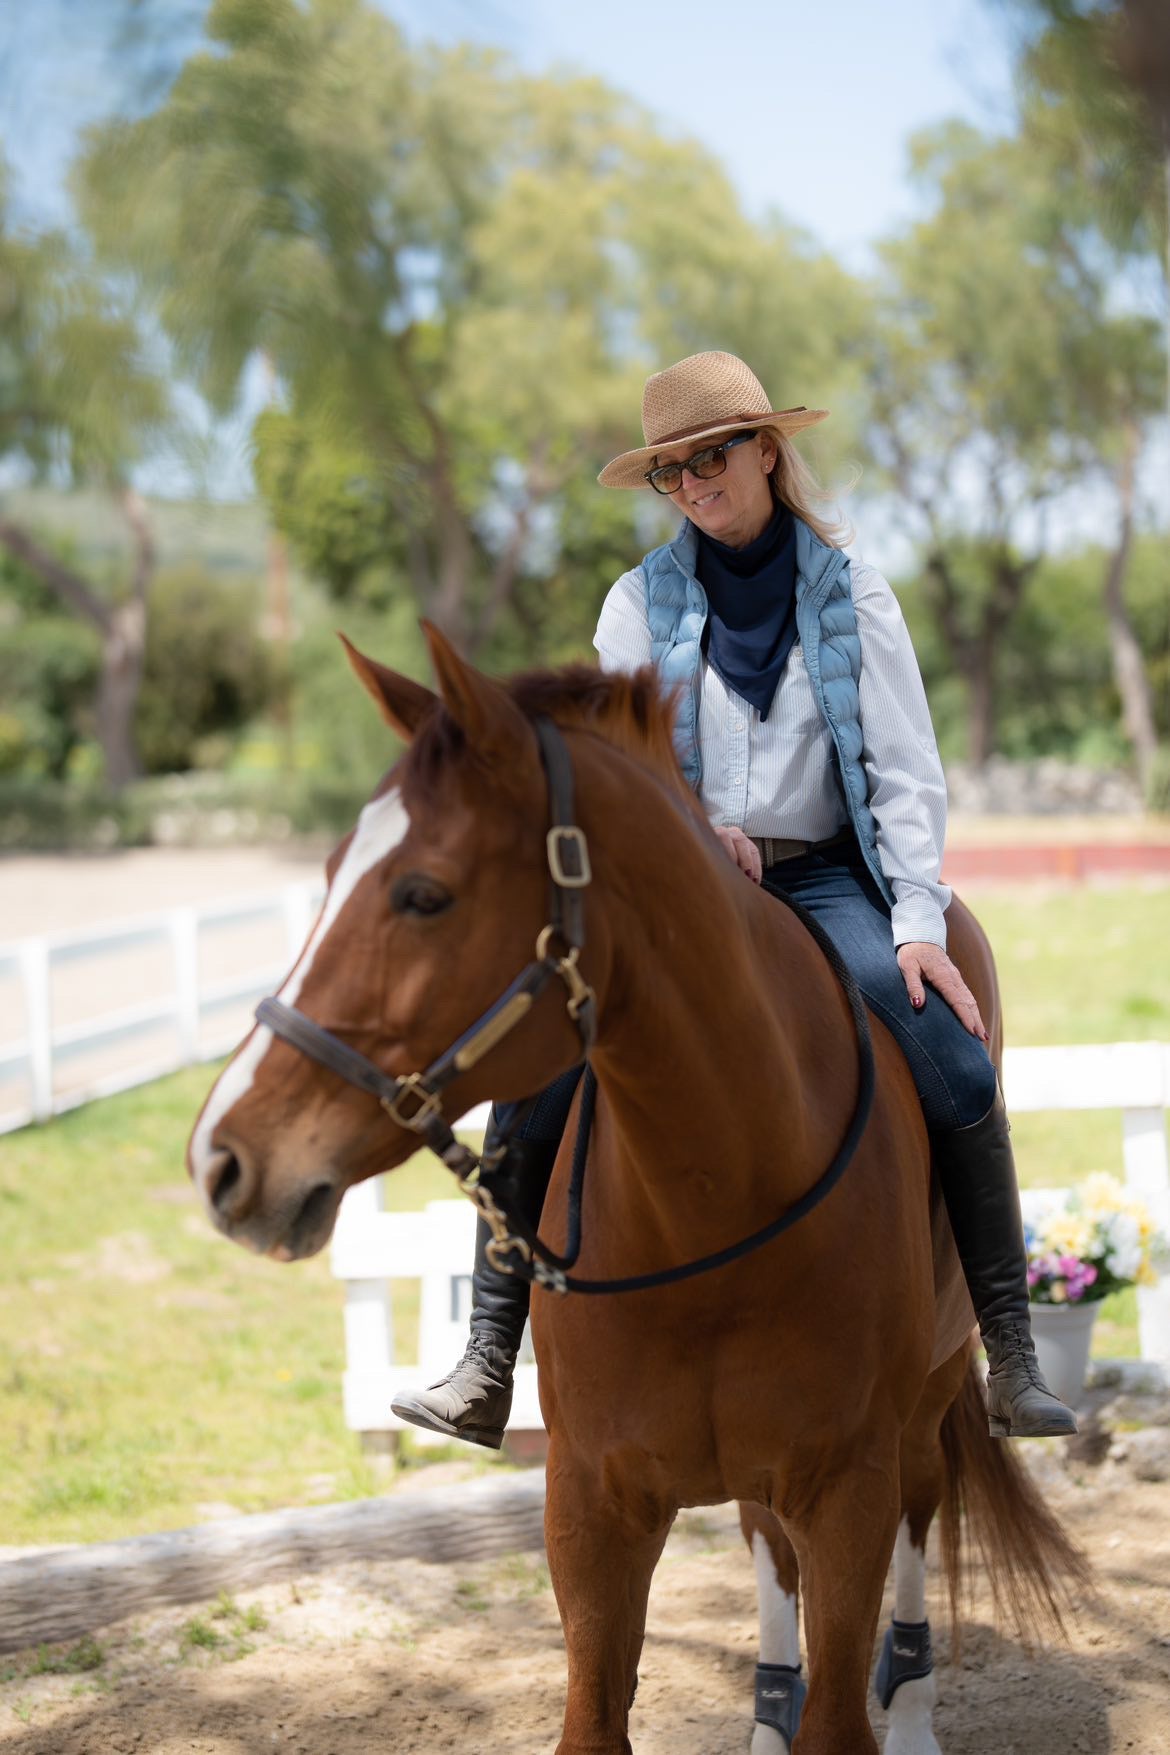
(978, 1176)
(473, 1401)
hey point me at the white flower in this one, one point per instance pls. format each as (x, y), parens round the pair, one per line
(1122, 1235)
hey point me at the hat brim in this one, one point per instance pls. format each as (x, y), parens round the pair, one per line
(629, 470)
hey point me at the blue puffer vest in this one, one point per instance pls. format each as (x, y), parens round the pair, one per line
(826, 622)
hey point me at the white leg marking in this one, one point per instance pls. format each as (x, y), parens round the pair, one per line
(381, 826)
(779, 1635)
(909, 1577)
(910, 1729)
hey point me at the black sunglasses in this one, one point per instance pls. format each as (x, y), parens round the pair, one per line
(712, 461)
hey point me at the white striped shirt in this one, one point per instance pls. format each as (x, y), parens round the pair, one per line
(778, 776)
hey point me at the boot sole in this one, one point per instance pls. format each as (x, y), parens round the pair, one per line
(490, 1437)
(1004, 1429)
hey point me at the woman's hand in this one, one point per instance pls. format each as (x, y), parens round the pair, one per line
(742, 852)
(926, 962)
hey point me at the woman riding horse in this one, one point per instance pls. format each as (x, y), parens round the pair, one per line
(803, 726)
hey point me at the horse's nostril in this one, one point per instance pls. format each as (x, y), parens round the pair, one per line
(312, 1217)
(224, 1181)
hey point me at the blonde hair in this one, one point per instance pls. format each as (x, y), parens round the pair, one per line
(795, 486)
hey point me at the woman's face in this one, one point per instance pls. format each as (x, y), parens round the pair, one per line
(734, 507)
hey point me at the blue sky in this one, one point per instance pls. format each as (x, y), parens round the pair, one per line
(808, 106)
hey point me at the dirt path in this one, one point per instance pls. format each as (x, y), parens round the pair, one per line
(420, 1659)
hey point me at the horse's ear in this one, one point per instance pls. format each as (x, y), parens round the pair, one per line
(401, 701)
(491, 721)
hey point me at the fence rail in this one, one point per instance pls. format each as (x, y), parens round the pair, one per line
(372, 1248)
(181, 1019)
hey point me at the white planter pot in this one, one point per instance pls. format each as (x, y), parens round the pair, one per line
(1064, 1334)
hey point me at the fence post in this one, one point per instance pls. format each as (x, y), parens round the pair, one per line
(38, 1015)
(184, 930)
(1147, 1173)
(369, 1338)
(298, 917)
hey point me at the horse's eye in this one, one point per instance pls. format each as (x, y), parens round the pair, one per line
(415, 894)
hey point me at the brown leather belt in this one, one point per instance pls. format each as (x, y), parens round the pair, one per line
(774, 851)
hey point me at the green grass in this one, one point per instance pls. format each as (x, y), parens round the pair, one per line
(149, 1370)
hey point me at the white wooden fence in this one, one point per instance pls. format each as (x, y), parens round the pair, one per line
(372, 1247)
(193, 1013)
(184, 1011)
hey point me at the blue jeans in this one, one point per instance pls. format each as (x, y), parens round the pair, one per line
(952, 1071)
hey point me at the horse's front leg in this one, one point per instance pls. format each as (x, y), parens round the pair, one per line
(780, 1687)
(842, 1527)
(606, 1520)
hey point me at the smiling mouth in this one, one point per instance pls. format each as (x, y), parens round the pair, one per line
(707, 499)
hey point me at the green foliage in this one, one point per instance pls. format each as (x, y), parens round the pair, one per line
(329, 498)
(48, 671)
(207, 671)
(458, 275)
(1057, 693)
(1059, 687)
(78, 391)
(1094, 87)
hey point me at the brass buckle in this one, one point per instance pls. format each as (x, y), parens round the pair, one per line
(559, 838)
(430, 1104)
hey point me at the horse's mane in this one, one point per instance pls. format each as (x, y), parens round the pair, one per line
(629, 712)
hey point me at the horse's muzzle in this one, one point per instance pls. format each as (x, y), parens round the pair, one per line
(288, 1230)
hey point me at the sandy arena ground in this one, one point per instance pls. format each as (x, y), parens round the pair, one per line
(419, 1659)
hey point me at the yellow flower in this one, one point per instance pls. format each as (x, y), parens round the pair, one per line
(1057, 1292)
(1068, 1234)
(1101, 1190)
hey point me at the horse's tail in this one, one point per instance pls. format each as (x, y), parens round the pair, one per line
(1035, 1570)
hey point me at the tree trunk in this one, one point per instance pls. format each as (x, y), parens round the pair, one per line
(980, 710)
(117, 696)
(1129, 670)
(122, 628)
(976, 657)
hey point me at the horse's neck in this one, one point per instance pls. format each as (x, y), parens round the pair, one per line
(726, 1054)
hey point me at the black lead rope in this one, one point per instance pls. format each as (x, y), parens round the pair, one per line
(550, 1270)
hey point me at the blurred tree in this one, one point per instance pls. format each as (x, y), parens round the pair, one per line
(1000, 380)
(77, 400)
(1096, 81)
(49, 667)
(1095, 77)
(460, 275)
(206, 668)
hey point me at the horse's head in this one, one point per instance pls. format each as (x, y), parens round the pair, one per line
(434, 905)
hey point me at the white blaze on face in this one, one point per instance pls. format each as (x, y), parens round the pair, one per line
(380, 828)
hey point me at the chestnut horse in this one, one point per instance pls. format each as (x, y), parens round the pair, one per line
(801, 1380)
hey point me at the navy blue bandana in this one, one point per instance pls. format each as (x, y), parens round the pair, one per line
(751, 594)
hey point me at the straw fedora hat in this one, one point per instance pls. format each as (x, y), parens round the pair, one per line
(706, 394)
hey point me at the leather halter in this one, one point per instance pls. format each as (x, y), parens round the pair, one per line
(515, 1247)
(415, 1101)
